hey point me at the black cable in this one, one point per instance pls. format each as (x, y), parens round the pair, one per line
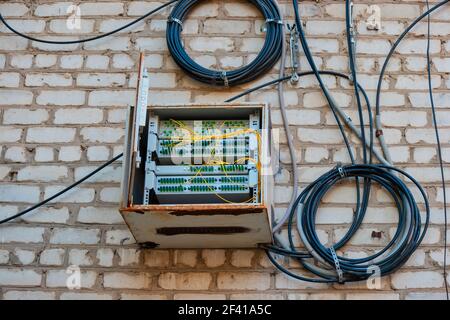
(265, 60)
(73, 185)
(439, 149)
(87, 39)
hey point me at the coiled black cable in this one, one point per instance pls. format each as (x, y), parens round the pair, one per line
(409, 234)
(268, 56)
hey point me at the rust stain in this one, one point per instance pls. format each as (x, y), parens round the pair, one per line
(198, 209)
(172, 231)
(377, 234)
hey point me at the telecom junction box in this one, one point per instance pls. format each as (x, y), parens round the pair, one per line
(199, 176)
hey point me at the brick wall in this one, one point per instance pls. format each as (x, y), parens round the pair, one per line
(62, 114)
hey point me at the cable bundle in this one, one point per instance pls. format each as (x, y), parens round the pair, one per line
(268, 56)
(334, 268)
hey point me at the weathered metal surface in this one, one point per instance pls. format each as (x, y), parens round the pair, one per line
(198, 225)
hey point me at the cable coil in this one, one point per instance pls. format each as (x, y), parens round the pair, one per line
(266, 59)
(334, 268)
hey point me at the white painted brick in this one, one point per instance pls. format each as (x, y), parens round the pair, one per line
(13, 43)
(52, 47)
(117, 116)
(128, 257)
(426, 135)
(314, 155)
(114, 44)
(373, 296)
(71, 61)
(412, 82)
(78, 116)
(123, 61)
(24, 257)
(105, 257)
(399, 154)
(416, 63)
(44, 154)
(76, 195)
(80, 257)
(417, 279)
(375, 46)
(28, 295)
(75, 236)
(126, 280)
(25, 26)
(136, 8)
(243, 281)
(99, 215)
(185, 281)
(19, 277)
(48, 215)
(97, 62)
(42, 173)
(426, 296)
(50, 134)
(4, 171)
(418, 46)
(404, 118)
(22, 234)
(22, 61)
(98, 153)
(25, 116)
(50, 79)
(102, 98)
(61, 98)
(101, 79)
(322, 136)
(16, 154)
(52, 257)
(8, 134)
(59, 278)
(109, 174)
(106, 25)
(9, 79)
(69, 153)
(108, 135)
(325, 28)
(45, 60)
(61, 27)
(13, 9)
(15, 193)
(110, 195)
(2, 61)
(108, 8)
(4, 256)
(15, 97)
(213, 44)
(85, 296)
(438, 256)
(119, 237)
(213, 26)
(420, 100)
(393, 11)
(49, 10)
(152, 44)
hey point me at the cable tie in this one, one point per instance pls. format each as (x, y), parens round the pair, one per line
(178, 21)
(224, 77)
(337, 266)
(341, 170)
(270, 20)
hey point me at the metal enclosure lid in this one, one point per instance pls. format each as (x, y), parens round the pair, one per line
(200, 225)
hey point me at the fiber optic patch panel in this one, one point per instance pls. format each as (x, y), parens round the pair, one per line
(231, 144)
(196, 170)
